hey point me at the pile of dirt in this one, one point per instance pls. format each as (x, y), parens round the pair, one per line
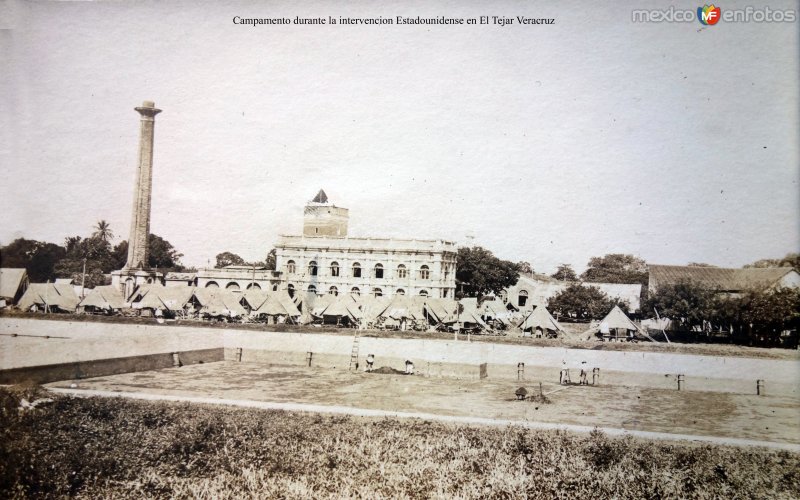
(385, 370)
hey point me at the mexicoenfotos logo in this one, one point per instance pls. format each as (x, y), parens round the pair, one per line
(708, 14)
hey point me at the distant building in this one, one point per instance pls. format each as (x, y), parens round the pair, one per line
(536, 289)
(326, 260)
(725, 280)
(237, 278)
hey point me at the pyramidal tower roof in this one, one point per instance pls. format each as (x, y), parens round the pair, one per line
(321, 197)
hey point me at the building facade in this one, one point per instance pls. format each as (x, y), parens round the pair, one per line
(536, 290)
(335, 263)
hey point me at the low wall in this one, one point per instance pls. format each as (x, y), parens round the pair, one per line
(103, 367)
(72, 344)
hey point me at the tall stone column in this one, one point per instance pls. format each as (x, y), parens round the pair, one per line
(140, 220)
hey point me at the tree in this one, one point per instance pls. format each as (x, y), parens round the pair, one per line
(479, 272)
(687, 304)
(226, 259)
(616, 268)
(93, 253)
(790, 260)
(584, 302)
(103, 231)
(160, 254)
(525, 267)
(271, 257)
(565, 273)
(38, 257)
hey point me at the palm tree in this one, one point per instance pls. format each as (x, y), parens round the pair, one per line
(103, 231)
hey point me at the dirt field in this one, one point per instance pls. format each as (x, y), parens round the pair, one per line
(768, 418)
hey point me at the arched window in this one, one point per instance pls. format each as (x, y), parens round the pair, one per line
(356, 270)
(232, 286)
(290, 290)
(402, 272)
(254, 286)
(400, 291)
(312, 268)
(355, 291)
(333, 291)
(377, 292)
(424, 273)
(149, 281)
(522, 299)
(291, 267)
(312, 289)
(423, 293)
(379, 271)
(275, 288)
(212, 284)
(334, 269)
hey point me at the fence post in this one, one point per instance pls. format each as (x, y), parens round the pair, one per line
(760, 387)
(308, 358)
(239, 354)
(681, 382)
(520, 371)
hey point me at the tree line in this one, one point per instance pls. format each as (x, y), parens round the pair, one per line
(47, 261)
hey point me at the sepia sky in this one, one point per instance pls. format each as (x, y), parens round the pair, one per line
(672, 141)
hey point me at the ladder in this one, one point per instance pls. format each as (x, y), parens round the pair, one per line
(354, 354)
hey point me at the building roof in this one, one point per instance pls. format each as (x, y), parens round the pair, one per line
(12, 280)
(171, 276)
(321, 197)
(718, 278)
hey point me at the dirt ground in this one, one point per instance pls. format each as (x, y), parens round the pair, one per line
(768, 418)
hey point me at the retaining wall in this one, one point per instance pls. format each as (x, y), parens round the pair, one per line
(116, 348)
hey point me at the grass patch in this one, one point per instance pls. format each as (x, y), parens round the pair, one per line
(124, 448)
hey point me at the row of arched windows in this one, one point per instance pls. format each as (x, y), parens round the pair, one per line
(356, 270)
(234, 286)
(377, 292)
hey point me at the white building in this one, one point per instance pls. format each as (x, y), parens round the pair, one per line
(536, 290)
(335, 263)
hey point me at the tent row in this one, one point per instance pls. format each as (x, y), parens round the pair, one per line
(368, 312)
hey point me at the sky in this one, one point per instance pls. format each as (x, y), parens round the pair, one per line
(675, 142)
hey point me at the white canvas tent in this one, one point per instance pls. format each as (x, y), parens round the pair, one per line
(540, 319)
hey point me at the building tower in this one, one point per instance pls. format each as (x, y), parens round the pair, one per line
(323, 218)
(136, 271)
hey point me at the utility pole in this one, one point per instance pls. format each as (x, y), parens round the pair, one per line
(83, 279)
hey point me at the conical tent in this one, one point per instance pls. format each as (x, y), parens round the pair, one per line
(617, 319)
(540, 317)
(104, 297)
(254, 298)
